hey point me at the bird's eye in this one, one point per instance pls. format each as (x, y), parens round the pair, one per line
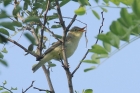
(75, 29)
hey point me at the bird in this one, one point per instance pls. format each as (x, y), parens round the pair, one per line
(55, 51)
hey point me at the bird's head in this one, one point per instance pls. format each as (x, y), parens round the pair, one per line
(77, 31)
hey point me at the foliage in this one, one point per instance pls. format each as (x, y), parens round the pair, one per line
(31, 15)
(3, 89)
(120, 30)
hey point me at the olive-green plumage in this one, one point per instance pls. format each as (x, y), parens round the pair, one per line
(72, 40)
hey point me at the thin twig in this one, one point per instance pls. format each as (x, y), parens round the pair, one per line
(100, 27)
(73, 19)
(41, 89)
(60, 15)
(28, 87)
(88, 49)
(42, 30)
(6, 89)
(80, 63)
(19, 45)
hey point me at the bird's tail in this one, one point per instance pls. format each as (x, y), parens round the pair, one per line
(37, 66)
(41, 63)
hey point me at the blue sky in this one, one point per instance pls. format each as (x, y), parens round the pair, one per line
(119, 74)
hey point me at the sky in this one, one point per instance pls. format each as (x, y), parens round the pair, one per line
(118, 74)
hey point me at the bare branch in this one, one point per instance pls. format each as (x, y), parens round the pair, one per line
(42, 30)
(68, 73)
(100, 27)
(6, 89)
(72, 21)
(47, 73)
(19, 45)
(28, 87)
(88, 49)
(60, 15)
(41, 89)
(80, 63)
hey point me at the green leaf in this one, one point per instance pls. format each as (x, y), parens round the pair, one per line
(16, 23)
(88, 91)
(3, 62)
(4, 50)
(30, 38)
(95, 58)
(4, 31)
(58, 36)
(84, 2)
(7, 2)
(96, 1)
(98, 49)
(127, 2)
(106, 1)
(102, 56)
(64, 2)
(117, 2)
(96, 14)
(13, 88)
(52, 65)
(31, 47)
(16, 10)
(136, 7)
(2, 39)
(136, 31)
(37, 5)
(1, 55)
(126, 17)
(107, 46)
(5, 92)
(32, 19)
(54, 16)
(88, 69)
(115, 41)
(25, 6)
(56, 26)
(90, 61)
(120, 31)
(5, 82)
(3, 14)
(104, 9)
(80, 11)
(1, 88)
(8, 25)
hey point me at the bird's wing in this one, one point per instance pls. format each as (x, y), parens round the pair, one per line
(52, 47)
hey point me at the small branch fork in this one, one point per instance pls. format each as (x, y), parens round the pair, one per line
(6, 89)
(65, 30)
(34, 88)
(28, 87)
(88, 49)
(42, 30)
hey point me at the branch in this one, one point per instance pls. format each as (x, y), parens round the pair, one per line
(88, 49)
(6, 89)
(65, 30)
(60, 15)
(80, 63)
(42, 89)
(72, 21)
(19, 45)
(100, 27)
(47, 73)
(28, 87)
(42, 30)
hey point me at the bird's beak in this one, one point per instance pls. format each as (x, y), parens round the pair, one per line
(82, 29)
